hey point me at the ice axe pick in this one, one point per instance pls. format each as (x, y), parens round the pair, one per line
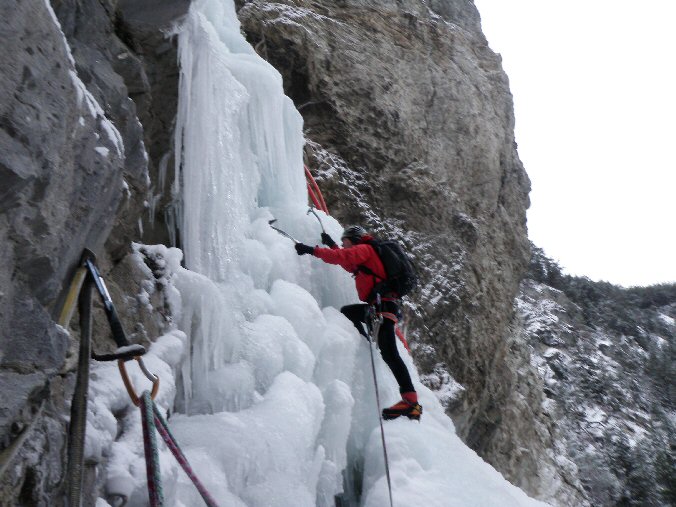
(285, 234)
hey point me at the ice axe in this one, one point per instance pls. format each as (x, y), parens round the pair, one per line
(311, 209)
(285, 234)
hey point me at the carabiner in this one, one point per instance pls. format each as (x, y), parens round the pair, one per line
(130, 387)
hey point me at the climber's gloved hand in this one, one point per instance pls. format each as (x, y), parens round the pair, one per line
(328, 240)
(302, 249)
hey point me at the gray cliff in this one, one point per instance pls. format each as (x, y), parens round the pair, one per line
(87, 90)
(409, 125)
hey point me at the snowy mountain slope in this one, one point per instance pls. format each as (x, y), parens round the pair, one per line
(274, 389)
(605, 357)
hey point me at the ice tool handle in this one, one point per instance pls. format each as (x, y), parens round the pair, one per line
(115, 325)
(125, 351)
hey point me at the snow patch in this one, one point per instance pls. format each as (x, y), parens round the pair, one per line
(103, 151)
(670, 321)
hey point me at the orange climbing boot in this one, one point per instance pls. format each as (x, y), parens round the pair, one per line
(408, 406)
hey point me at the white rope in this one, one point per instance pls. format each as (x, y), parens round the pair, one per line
(374, 333)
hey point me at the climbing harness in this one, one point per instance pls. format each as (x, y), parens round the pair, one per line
(376, 322)
(397, 329)
(87, 277)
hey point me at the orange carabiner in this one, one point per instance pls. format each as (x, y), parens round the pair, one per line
(130, 387)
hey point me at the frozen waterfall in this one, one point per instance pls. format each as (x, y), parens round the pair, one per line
(269, 385)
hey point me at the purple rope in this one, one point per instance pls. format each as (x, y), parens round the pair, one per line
(155, 495)
(163, 430)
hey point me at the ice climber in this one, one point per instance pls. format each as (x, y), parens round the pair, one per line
(360, 258)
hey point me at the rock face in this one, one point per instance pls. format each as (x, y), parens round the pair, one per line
(62, 176)
(76, 78)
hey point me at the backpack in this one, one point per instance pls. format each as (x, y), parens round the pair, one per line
(401, 273)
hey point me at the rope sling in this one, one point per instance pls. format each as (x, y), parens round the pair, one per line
(314, 192)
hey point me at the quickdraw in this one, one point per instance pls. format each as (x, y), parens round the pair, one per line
(87, 277)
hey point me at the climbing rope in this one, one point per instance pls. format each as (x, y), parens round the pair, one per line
(163, 429)
(397, 330)
(155, 493)
(377, 320)
(152, 422)
(402, 338)
(313, 197)
(313, 191)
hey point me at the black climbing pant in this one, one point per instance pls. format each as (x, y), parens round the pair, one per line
(387, 340)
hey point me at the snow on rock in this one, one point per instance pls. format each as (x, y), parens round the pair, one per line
(667, 320)
(95, 110)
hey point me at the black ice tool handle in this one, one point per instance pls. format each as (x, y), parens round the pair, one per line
(116, 328)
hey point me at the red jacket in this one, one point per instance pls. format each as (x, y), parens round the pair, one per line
(352, 257)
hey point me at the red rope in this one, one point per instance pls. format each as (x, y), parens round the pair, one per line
(313, 197)
(315, 190)
(401, 336)
(397, 329)
(163, 430)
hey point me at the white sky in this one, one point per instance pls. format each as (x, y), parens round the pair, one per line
(594, 85)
